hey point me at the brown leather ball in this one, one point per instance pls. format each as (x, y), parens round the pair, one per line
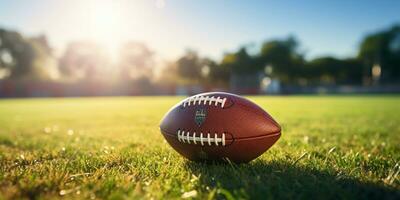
(217, 126)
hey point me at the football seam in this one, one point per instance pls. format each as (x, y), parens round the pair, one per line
(233, 139)
(259, 136)
(211, 141)
(209, 100)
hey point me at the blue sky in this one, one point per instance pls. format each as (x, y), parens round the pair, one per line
(211, 27)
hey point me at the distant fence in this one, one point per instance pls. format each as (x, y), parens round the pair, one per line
(10, 88)
(92, 88)
(340, 89)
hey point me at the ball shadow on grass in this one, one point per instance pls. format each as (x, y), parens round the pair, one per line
(282, 180)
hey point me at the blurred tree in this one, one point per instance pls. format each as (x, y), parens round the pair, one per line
(382, 51)
(193, 69)
(246, 71)
(283, 56)
(168, 74)
(189, 67)
(218, 75)
(241, 62)
(329, 70)
(84, 60)
(136, 61)
(200, 70)
(45, 65)
(16, 54)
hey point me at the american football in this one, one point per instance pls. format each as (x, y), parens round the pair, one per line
(217, 126)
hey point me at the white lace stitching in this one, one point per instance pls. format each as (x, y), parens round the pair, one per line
(186, 138)
(198, 100)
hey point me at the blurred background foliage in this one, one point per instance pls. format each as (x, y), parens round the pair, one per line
(30, 59)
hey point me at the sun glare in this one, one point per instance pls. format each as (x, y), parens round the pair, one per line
(106, 21)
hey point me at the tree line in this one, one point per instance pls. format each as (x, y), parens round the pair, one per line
(377, 61)
(32, 58)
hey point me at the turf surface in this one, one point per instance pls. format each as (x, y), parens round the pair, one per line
(332, 147)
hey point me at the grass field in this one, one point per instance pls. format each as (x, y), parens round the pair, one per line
(334, 147)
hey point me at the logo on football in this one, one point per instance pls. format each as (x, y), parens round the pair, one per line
(200, 116)
(217, 125)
